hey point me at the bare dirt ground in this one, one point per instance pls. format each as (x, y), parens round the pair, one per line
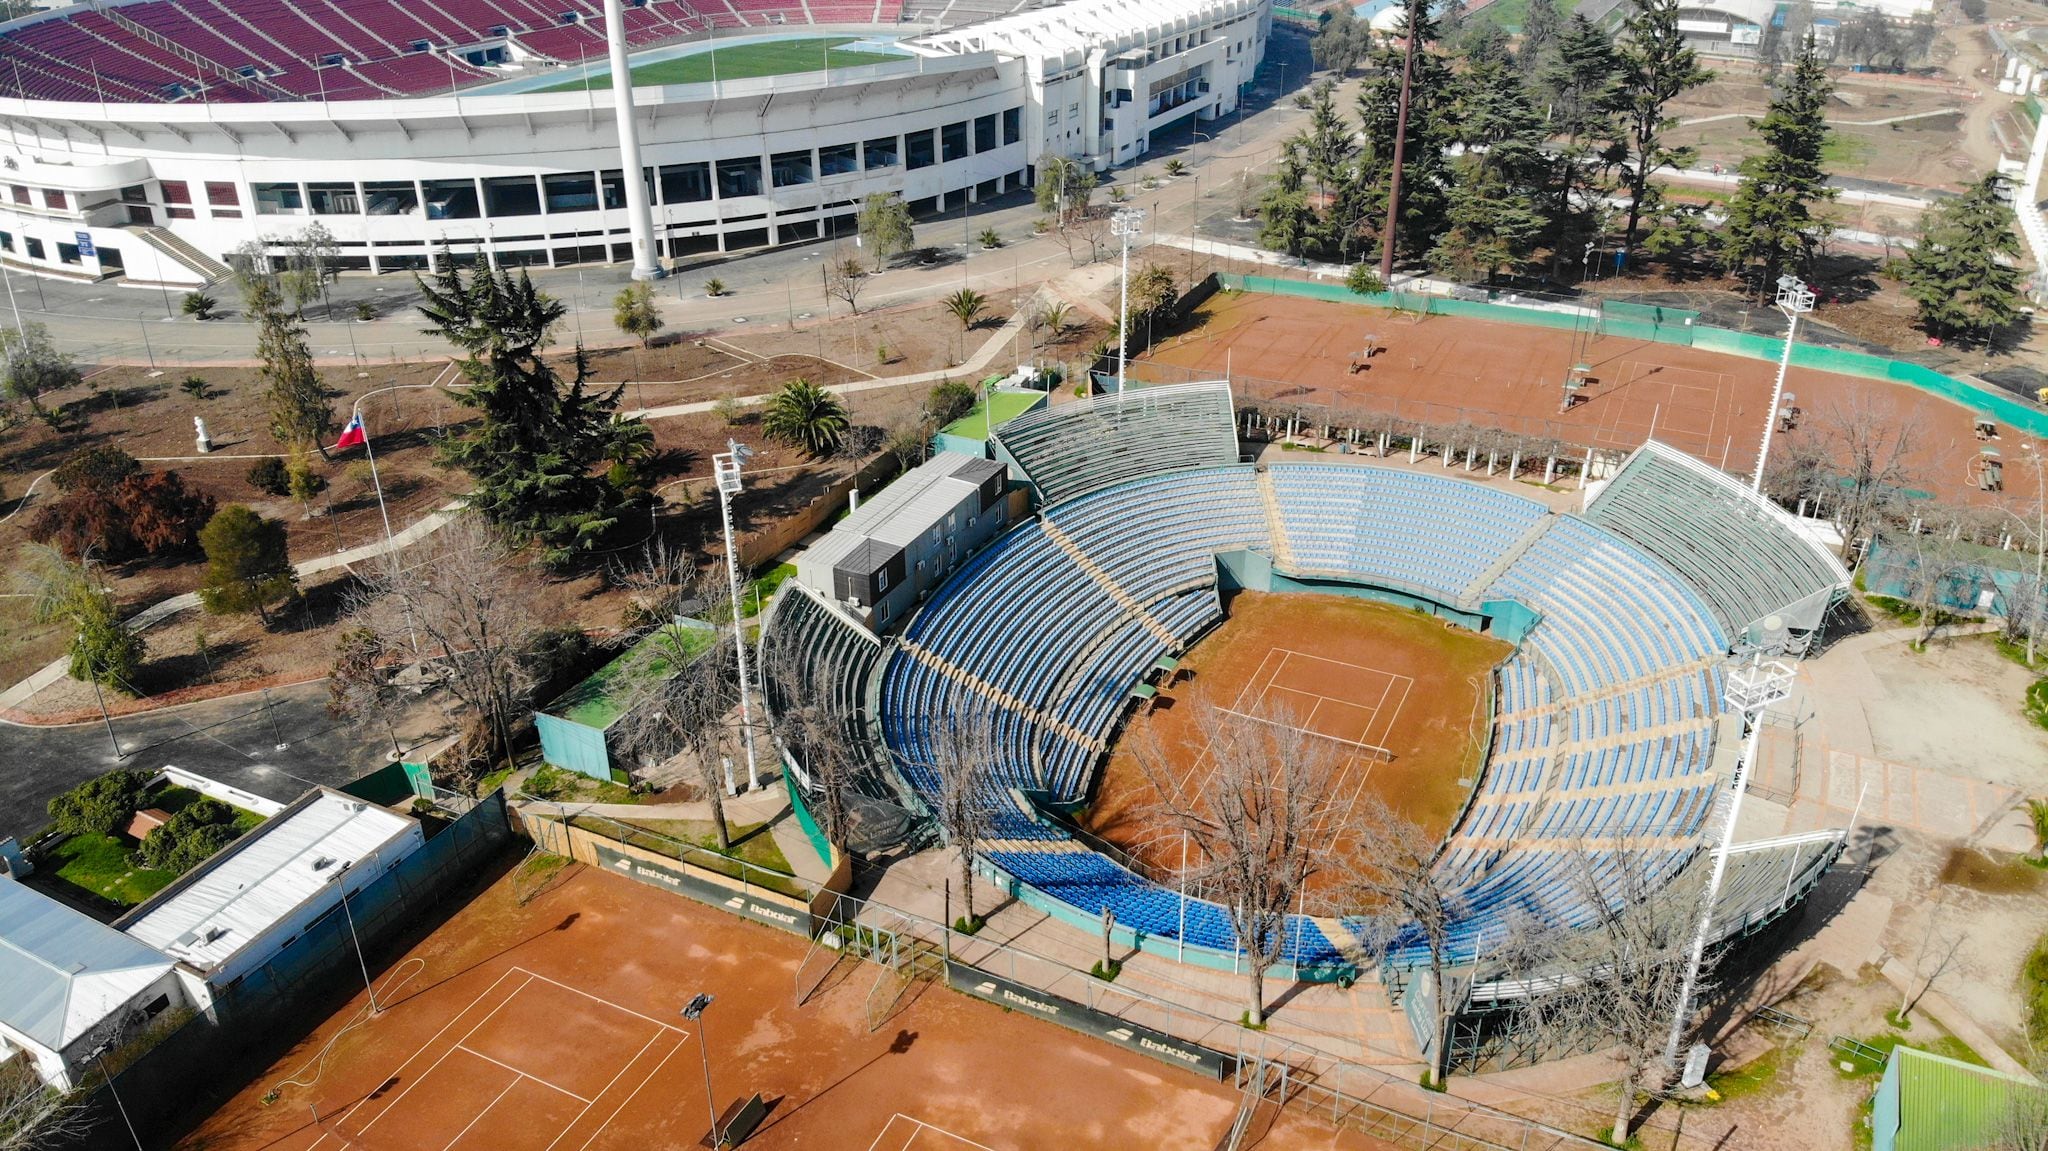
(1957, 707)
(599, 966)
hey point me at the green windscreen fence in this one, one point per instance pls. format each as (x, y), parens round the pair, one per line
(1674, 326)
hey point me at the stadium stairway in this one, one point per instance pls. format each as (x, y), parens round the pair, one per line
(1507, 559)
(996, 695)
(1116, 591)
(1276, 523)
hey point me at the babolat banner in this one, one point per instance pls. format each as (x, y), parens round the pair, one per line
(679, 880)
(1088, 1021)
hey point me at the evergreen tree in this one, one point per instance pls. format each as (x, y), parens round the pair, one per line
(1493, 220)
(1582, 84)
(1770, 221)
(1286, 220)
(1426, 176)
(1541, 28)
(300, 415)
(537, 451)
(1964, 272)
(885, 226)
(248, 566)
(1657, 65)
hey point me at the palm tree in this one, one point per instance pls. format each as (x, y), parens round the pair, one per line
(806, 415)
(1055, 317)
(966, 306)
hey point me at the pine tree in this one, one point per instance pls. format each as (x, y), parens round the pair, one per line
(537, 451)
(1426, 176)
(1582, 84)
(1770, 220)
(1493, 220)
(1287, 221)
(1541, 28)
(300, 416)
(1657, 66)
(1964, 272)
(248, 566)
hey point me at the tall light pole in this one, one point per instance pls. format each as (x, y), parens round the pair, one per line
(2034, 604)
(390, 552)
(1127, 222)
(1751, 691)
(694, 1012)
(350, 916)
(1795, 301)
(725, 471)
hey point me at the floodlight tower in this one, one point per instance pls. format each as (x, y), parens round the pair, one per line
(1751, 691)
(1127, 222)
(725, 472)
(1795, 301)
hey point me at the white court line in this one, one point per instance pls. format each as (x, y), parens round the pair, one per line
(919, 1127)
(630, 1095)
(1407, 685)
(478, 1117)
(507, 974)
(445, 1054)
(603, 1000)
(523, 1075)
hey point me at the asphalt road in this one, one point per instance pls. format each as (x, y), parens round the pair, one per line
(232, 740)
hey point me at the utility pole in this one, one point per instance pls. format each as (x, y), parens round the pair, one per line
(1126, 223)
(1415, 8)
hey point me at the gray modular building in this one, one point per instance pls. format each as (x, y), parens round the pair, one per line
(893, 550)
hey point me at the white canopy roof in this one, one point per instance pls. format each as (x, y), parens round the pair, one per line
(61, 971)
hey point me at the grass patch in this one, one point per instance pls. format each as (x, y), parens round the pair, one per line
(2016, 651)
(763, 587)
(2036, 705)
(2034, 988)
(751, 845)
(1752, 1078)
(741, 61)
(103, 866)
(1897, 609)
(1978, 871)
(1843, 151)
(1944, 1045)
(553, 783)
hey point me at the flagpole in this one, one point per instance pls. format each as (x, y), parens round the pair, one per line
(383, 512)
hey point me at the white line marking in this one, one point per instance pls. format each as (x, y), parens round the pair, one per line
(919, 1127)
(431, 1039)
(637, 1088)
(602, 999)
(522, 1074)
(478, 1117)
(445, 1054)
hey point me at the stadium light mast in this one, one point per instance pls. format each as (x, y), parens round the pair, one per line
(725, 472)
(1795, 301)
(1751, 691)
(639, 215)
(1127, 222)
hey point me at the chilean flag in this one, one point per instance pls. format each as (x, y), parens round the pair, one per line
(352, 434)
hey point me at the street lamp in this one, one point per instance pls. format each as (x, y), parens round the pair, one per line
(350, 916)
(1127, 222)
(1751, 692)
(725, 472)
(1795, 301)
(694, 1012)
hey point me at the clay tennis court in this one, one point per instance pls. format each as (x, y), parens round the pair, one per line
(555, 1025)
(1449, 370)
(1400, 693)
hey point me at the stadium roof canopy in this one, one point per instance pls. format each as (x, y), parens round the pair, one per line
(62, 972)
(1077, 27)
(260, 879)
(1745, 555)
(1067, 450)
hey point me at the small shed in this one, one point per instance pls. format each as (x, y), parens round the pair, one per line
(578, 730)
(1929, 1102)
(145, 821)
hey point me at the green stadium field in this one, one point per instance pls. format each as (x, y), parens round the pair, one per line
(740, 61)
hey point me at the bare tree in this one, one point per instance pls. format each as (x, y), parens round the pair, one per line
(1937, 948)
(1393, 867)
(1862, 470)
(692, 712)
(464, 604)
(1936, 551)
(1260, 820)
(1617, 982)
(360, 687)
(963, 750)
(2023, 1124)
(34, 1114)
(844, 279)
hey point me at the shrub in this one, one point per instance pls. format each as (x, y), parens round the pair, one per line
(94, 469)
(714, 287)
(365, 311)
(144, 512)
(270, 476)
(949, 401)
(194, 386)
(102, 805)
(729, 408)
(990, 238)
(199, 305)
(190, 837)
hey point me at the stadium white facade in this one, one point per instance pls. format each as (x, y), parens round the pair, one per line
(114, 165)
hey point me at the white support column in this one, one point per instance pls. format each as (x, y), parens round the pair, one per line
(639, 214)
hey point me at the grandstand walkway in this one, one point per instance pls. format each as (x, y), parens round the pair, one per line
(1276, 523)
(1472, 591)
(996, 695)
(1108, 584)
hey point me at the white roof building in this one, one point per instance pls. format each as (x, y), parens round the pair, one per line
(69, 982)
(239, 908)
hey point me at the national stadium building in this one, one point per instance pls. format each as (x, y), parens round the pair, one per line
(150, 139)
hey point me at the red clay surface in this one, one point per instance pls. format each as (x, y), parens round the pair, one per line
(1447, 370)
(554, 1027)
(1370, 676)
